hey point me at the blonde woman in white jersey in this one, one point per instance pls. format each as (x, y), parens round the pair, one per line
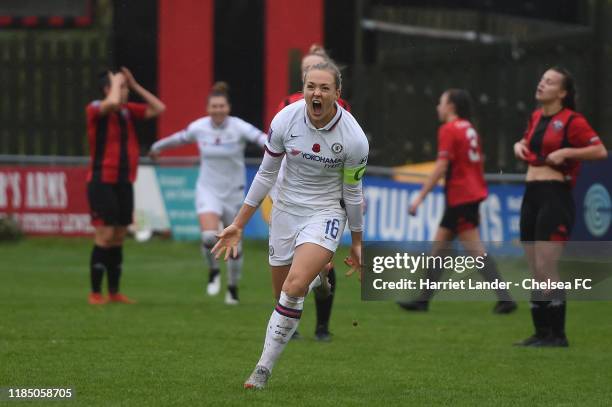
(220, 187)
(326, 152)
(323, 294)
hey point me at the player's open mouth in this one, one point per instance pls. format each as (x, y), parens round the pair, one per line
(317, 107)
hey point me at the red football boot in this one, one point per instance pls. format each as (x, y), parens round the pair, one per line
(97, 299)
(118, 297)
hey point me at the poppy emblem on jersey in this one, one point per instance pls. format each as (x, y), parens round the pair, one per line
(316, 148)
(294, 151)
(337, 148)
(557, 125)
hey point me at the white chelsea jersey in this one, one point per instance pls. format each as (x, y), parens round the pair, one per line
(222, 169)
(318, 161)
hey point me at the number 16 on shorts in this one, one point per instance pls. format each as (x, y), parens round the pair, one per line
(332, 229)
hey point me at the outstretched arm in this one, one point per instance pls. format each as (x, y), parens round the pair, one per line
(177, 139)
(265, 178)
(252, 133)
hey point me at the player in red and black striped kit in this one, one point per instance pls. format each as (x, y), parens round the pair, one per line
(460, 161)
(556, 140)
(114, 151)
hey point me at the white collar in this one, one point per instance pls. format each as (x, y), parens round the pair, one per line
(221, 126)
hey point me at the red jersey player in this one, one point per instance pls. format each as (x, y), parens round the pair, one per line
(556, 140)
(114, 159)
(460, 161)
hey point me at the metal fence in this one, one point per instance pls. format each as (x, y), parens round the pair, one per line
(420, 53)
(46, 79)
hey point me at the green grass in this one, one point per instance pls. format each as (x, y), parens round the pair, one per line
(179, 347)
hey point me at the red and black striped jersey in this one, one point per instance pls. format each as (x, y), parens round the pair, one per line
(545, 134)
(113, 145)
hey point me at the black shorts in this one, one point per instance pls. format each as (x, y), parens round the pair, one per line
(547, 212)
(461, 217)
(110, 204)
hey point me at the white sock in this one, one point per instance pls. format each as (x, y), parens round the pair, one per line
(283, 323)
(315, 283)
(208, 241)
(234, 268)
(213, 263)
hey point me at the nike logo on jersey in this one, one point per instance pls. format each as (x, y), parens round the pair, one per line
(294, 135)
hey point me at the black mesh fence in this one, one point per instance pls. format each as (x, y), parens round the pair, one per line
(499, 60)
(46, 80)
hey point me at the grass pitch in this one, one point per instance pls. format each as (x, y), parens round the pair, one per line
(179, 347)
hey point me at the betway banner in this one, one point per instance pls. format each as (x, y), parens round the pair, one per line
(46, 200)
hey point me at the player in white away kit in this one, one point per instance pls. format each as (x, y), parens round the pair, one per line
(220, 188)
(324, 293)
(326, 154)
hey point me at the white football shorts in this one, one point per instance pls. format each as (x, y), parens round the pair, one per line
(227, 208)
(288, 231)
